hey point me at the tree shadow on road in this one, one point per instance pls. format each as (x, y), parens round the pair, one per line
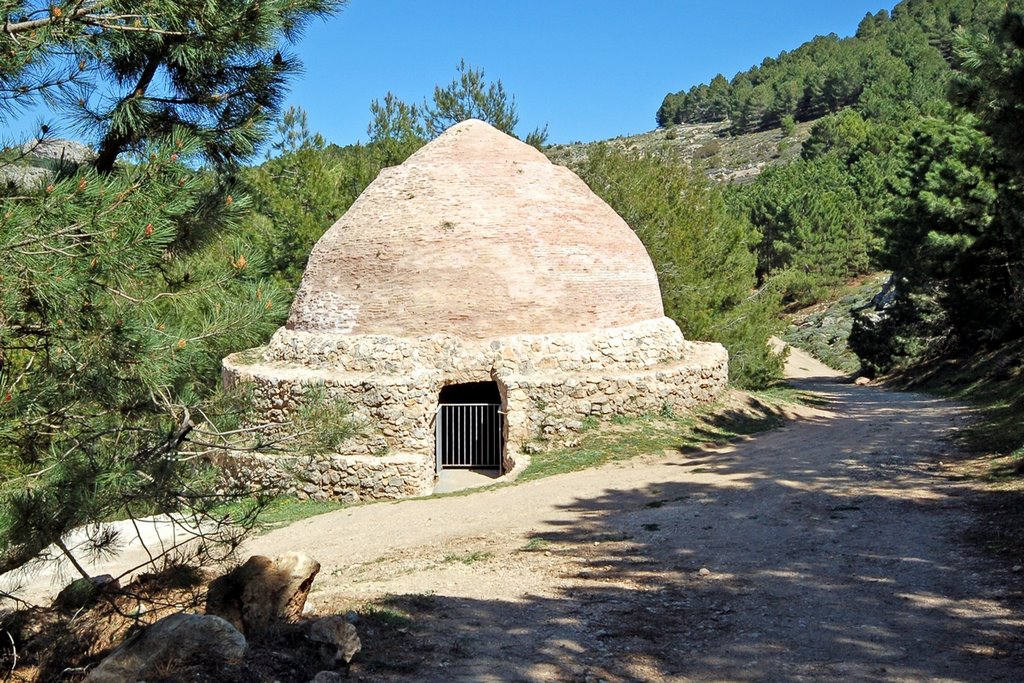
(800, 554)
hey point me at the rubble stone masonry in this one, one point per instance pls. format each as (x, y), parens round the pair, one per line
(549, 384)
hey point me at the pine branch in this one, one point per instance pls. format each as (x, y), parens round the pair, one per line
(13, 29)
(114, 143)
(99, 22)
(71, 558)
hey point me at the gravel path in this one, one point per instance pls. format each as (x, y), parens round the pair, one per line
(830, 549)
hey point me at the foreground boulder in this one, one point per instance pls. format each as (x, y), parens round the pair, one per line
(263, 593)
(168, 644)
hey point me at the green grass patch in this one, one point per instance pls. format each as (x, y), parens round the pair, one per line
(386, 615)
(627, 437)
(279, 512)
(468, 558)
(536, 543)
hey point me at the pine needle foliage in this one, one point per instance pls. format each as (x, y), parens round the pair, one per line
(124, 72)
(955, 235)
(126, 278)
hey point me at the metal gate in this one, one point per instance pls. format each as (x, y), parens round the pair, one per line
(469, 435)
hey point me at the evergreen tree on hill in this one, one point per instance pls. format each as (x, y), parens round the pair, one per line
(894, 66)
(703, 254)
(955, 238)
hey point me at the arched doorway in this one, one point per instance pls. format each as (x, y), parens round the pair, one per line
(470, 427)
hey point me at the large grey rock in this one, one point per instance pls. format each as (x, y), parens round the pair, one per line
(40, 159)
(23, 177)
(172, 642)
(339, 641)
(263, 593)
(60, 151)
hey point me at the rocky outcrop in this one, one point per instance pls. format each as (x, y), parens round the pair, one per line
(39, 159)
(59, 151)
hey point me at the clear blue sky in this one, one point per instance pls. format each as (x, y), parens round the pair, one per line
(590, 69)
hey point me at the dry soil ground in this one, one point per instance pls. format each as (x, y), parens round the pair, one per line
(831, 549)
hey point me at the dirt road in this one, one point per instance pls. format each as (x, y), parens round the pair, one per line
(831, 549)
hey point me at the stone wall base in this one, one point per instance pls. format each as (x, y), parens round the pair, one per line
(549, 384)
(348, 478)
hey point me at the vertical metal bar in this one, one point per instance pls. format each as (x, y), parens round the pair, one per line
(438, 459)
(457, 435)
(469, 435)
(495, 429)
(499, 438)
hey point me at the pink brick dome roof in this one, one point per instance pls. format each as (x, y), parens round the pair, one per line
(476, 235)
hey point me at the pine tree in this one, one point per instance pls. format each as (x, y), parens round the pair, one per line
(123, 280)
(398, 129)
(124, 72)
(992, 87)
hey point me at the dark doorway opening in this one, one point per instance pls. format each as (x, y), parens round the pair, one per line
(470, 427)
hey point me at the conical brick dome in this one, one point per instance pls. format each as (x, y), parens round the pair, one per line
(478, 236)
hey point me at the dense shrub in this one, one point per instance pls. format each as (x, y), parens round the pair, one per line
(703, 254)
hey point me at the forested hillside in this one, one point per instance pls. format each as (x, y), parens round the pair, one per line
(893, 67)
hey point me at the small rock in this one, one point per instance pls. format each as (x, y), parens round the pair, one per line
(339, 640)
(862, 381)
(352, 616)
(704, 571)
(82, 592)
(327, 677)
(1018, 568)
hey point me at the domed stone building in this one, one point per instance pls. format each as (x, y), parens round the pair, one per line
(476, 303)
